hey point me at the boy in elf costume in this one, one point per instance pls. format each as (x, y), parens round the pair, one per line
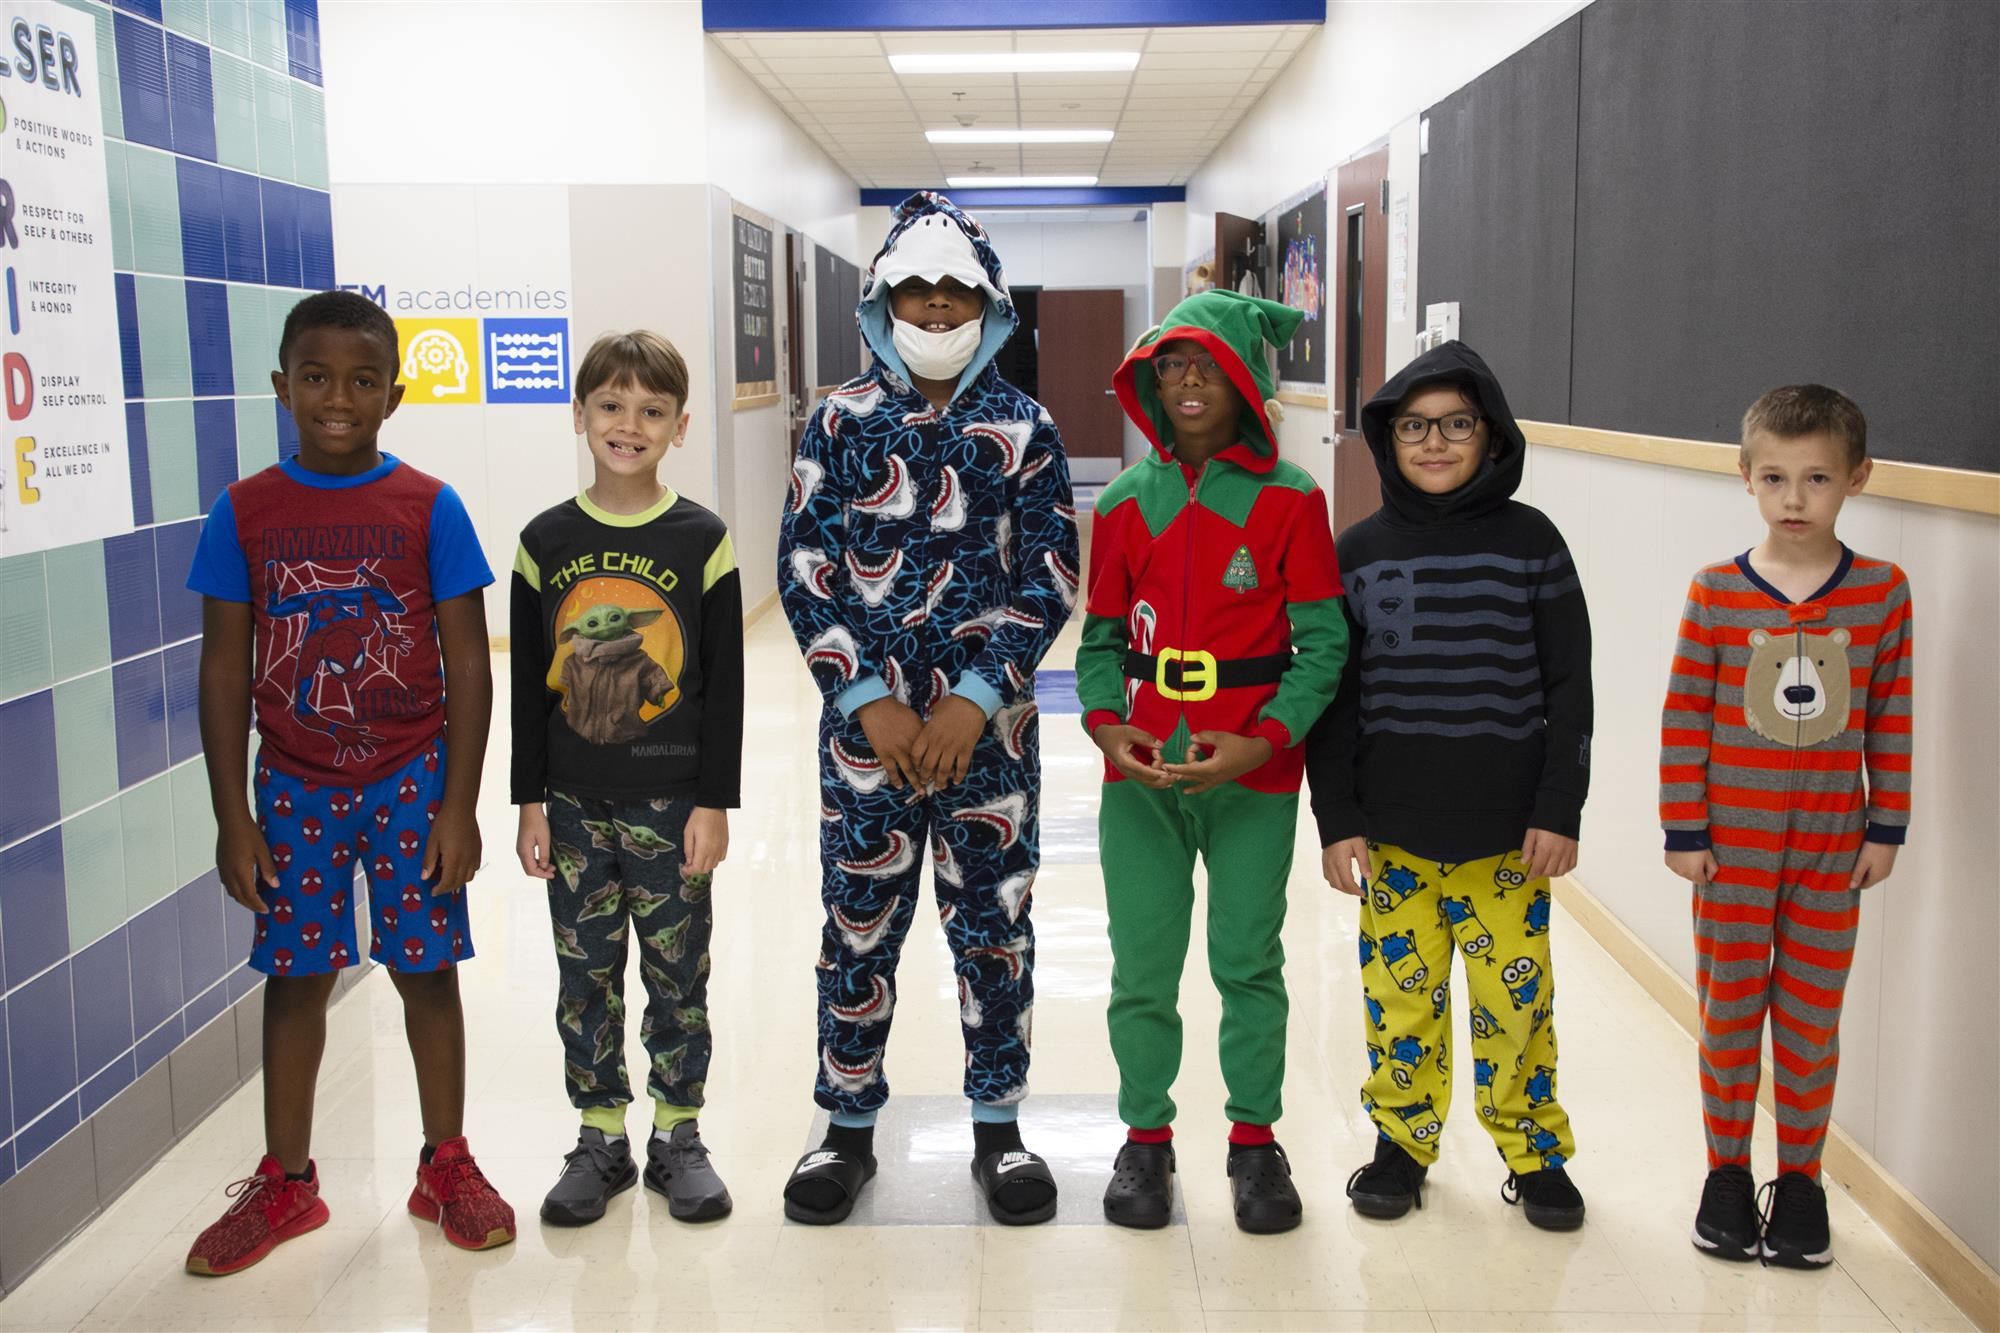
(1213, 640)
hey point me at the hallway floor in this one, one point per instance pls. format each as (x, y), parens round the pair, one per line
(920, 1254)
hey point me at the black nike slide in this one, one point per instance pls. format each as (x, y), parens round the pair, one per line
(845, 1172)
(1019, 1189)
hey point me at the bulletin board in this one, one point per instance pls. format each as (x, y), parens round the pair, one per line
(753, 272)
(1654, 213)
(836, 293)
(1301, 259)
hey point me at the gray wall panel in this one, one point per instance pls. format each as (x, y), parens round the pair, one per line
(1767, 195)
(1499, 207)
(45, 1203)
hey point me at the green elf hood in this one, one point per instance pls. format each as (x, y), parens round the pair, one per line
(1239, 332)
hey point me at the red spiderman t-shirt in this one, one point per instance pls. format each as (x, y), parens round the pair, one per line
(342, 574)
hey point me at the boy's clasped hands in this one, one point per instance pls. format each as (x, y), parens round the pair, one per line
(927, 756)
(1137, 755)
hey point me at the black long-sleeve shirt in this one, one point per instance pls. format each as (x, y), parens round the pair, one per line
(627, 656)
(1464, 716)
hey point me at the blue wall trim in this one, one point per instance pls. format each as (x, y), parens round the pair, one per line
(1037, 198)
(929, 16)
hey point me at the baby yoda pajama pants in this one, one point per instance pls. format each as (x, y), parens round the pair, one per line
(619, 874)
(1413, 911)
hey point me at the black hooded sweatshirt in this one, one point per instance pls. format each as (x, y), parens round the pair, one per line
(1464, 714)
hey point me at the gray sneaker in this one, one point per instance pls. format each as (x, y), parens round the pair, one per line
(678, 1168)
(593, 1171)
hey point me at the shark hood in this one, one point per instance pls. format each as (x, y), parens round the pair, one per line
(931, 238)
(1506, 451)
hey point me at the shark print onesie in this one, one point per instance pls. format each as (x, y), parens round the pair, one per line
(924, 552)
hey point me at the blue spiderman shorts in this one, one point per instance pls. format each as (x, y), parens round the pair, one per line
(320, 837)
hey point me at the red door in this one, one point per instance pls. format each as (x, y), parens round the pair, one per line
(1360, 314)
(1082, 340)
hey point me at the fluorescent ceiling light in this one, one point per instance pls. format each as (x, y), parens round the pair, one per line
(1012, 62)
(1015, 182)
(1018, 136)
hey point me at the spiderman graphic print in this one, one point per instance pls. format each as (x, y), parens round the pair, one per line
(927, 551)
(342, 575)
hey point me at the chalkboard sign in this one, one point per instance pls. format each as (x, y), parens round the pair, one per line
(753, 270)
(1654, 213)
(836, 291)
(1302, 258)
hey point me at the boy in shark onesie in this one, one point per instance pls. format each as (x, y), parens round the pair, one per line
(927, 560)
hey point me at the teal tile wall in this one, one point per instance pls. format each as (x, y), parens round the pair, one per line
(89, 790)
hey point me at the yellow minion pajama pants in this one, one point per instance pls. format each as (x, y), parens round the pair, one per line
(1413, 912)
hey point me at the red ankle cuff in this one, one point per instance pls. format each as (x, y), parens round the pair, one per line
(1164, 1134)
(1249, 1136)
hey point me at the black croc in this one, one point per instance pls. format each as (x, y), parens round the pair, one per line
(848, 1171)
(1141, 1192)
(1266, 1200)
(997, 1170)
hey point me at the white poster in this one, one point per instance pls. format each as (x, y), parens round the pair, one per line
(1399, 258)
(65, 475)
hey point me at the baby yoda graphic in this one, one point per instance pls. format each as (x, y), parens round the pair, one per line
(663, 980)
(608, 676)
(640, 841)
(571, 1014)
(671, 943)
(694, 886)
(566, 942)
(668, 1066)
(569, 864)
(604, 902)
(692, 1019)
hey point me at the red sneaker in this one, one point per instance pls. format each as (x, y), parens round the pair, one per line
(268, 1211)
(452, 1192)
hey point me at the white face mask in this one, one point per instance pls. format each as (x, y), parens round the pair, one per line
(936, 356)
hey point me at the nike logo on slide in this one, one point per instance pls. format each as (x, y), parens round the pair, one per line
(1013, 1160)
(818, 1159)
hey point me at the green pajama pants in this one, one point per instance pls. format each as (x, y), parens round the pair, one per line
(1147, 842)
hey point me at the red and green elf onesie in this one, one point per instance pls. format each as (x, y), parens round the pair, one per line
(1214, 605)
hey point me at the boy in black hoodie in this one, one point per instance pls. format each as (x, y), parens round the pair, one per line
(1452, 767)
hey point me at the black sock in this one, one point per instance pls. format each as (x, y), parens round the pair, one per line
(821, 1195)
(1014, 1194)
(991, 1136)
(426, 1155)
(304, 1175)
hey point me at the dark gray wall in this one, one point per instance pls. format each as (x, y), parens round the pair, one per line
(1498, 218)
(1762, 193)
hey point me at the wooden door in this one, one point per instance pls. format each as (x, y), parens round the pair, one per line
(1360, 222)
(1082, 337)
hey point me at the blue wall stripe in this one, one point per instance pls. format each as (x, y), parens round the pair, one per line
(1043, 197)
(930, 16)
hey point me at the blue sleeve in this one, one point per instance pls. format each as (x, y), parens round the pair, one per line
(220, 570)
(458, 566)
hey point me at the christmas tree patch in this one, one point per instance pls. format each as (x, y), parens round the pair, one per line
(1242, 572)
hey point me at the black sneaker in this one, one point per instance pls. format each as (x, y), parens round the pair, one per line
(1388, 1186)
(1727, 1226)
(1796, 1234)
(1266, 1200)
(1141, 1192)
(1548, 1197)
(593, 1171)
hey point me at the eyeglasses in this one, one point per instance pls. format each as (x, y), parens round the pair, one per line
(1173, 368)
(1455, 427)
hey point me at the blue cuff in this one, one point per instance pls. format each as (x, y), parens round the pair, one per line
(852, 1119)
(1888, 834)
(985, 1113)
(978, 691)
(865, 691)
(1688, 840)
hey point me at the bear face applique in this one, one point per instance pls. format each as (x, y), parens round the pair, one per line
(1797, 691)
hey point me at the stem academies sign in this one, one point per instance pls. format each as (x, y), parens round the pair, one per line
(65, 475)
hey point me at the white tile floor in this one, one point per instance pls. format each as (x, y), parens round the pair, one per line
(1464, 1262)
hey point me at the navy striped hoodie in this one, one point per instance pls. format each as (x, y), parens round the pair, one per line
(1464, 715)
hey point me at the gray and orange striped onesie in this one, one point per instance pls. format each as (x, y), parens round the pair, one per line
(1773, 710)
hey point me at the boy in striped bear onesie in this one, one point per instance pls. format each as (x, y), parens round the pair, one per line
(1791, 676)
